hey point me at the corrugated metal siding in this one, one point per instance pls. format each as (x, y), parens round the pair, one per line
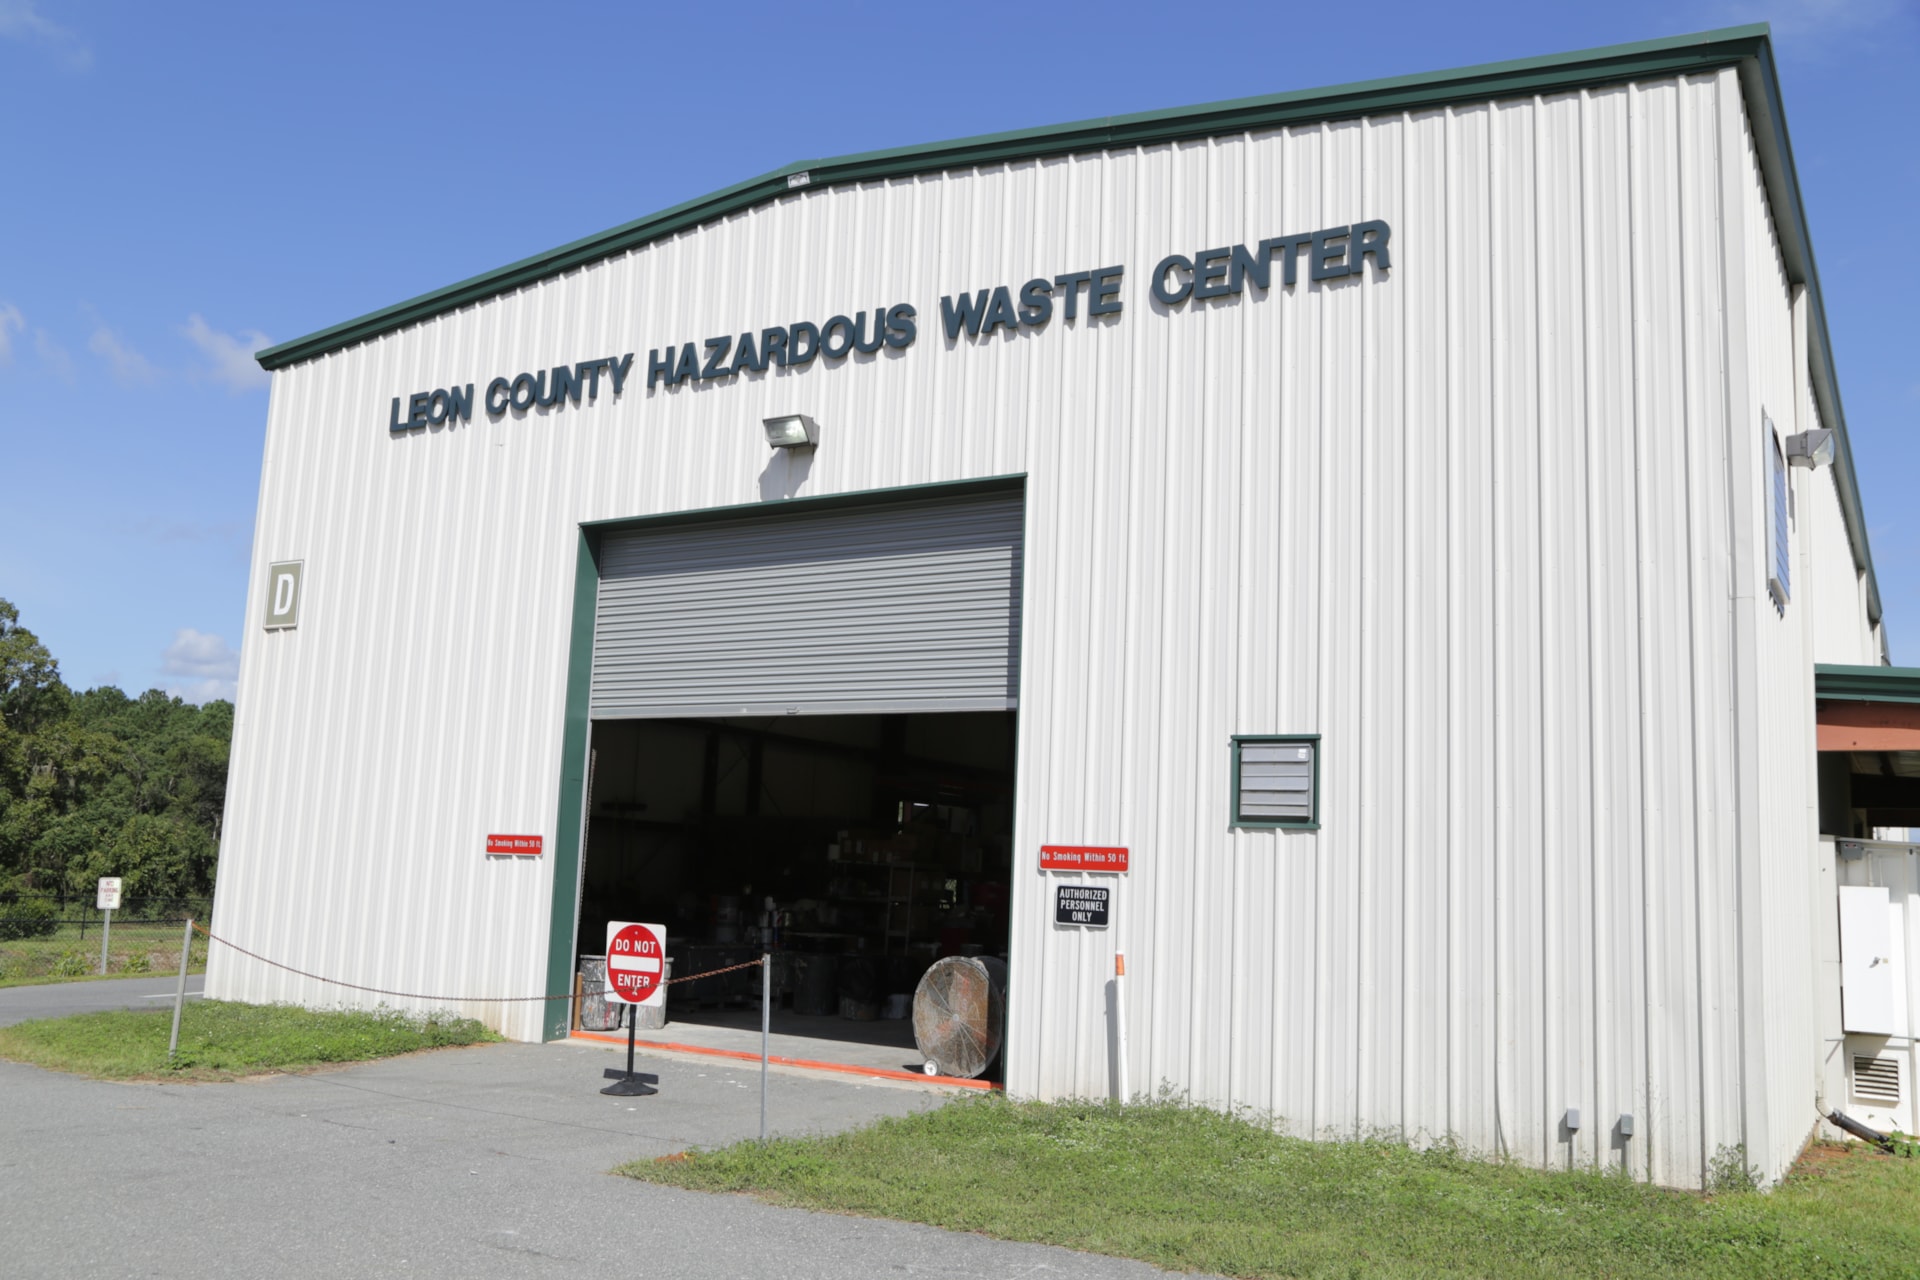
(1837, 593)
(1471, 523)
(896, 608)
(1781, 830)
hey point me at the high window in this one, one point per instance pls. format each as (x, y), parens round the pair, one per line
(1779, 574)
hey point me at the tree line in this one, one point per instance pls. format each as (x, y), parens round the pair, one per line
(95, 783)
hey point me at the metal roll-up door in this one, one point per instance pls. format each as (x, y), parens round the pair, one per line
(901, 607)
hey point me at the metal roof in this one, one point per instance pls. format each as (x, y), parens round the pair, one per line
(1748, 48)
(1833, 683)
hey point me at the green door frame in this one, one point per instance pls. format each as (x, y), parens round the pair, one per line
(563, 920)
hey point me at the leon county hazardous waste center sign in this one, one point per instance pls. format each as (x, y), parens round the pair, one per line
(1227, 271)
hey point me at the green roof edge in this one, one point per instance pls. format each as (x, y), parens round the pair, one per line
(1747, 47)
(1760, 80)
(1436, 88)
(1866, 684)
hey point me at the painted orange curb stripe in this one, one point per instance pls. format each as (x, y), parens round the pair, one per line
(845, 1067)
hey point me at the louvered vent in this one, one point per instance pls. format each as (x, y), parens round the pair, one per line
(1876, 1079)
(1274, 782)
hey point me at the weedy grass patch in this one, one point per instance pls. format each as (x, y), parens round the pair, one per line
(221, 1040)
(1186, 1188)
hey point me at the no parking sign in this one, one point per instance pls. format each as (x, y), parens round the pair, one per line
(636, 963)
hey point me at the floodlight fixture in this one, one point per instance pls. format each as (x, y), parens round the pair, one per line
(1811, 448)
(792, 431)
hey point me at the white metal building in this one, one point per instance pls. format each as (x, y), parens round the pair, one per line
(1435, 430)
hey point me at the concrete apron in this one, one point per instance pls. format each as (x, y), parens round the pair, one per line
(788, 1051)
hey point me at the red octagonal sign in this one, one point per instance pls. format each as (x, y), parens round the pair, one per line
(636, 962)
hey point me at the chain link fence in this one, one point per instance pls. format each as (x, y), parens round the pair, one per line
(48, 937)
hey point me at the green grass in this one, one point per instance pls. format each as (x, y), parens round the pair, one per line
(135, 948)
(1190, 1189)
(220, 1040)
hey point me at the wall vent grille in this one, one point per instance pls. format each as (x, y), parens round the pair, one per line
(1876, 1079)
(1275, 783)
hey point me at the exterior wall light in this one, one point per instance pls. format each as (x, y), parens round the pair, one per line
(793, 431)
(1811, 448)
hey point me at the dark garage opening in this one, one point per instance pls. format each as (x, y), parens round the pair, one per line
(882, 842)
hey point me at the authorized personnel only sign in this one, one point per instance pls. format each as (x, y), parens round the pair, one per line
(1080, 857)
(636, 963)
(1082, 904)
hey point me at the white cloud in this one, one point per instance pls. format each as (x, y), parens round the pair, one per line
(53, 355)
(204, 666)
(20, 21)
(128, 365)
(201, 692)
(1807, 23)
(11, 322)
(195, 653)
(230, 355)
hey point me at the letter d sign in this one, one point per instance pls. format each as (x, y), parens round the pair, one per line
(283, 595)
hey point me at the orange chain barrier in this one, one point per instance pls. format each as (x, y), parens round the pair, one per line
(413, 995)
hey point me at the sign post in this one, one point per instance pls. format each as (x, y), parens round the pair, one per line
(180, 992)
(106, 898)
(766, 1023)
(636, 969)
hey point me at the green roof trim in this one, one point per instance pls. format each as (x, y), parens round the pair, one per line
(1746, 47)
(1550, 74)
(1866, 684)
(1760, 80)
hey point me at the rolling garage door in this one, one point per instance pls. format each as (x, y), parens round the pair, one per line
(887, 608)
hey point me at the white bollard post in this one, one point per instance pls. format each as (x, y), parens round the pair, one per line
(180, 992)
(766, 1023)
(1120, 1023)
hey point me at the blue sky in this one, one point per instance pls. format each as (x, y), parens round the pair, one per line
(181, 184)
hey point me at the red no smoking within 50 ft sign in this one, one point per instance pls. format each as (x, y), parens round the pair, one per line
(636, 962)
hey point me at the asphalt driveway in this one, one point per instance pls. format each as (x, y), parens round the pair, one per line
(53, 999)
(481, 1162)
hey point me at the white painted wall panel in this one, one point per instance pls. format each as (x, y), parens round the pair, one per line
(1476, 523)
(1780, 826)
(1836, 591)
(1872, 986)
(1882, 888)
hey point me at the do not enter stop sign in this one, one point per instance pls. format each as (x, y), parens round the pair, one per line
(636, 962)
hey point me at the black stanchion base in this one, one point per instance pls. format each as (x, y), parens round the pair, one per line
(630, 1084)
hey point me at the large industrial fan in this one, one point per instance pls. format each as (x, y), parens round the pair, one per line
(960, 1013)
